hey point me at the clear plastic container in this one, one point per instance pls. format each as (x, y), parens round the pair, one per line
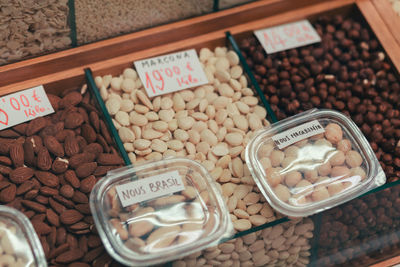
(311, 162)
(158, 211)
(19, 244)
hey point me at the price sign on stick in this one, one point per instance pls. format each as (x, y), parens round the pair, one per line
(170, 73)
(23, 106)
(287, 36)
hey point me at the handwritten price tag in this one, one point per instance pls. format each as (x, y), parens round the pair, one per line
(287, 36)
(170, 73)
(23, 106)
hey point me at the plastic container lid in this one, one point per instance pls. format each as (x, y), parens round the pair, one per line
(311, 162)
(19, 243)
(173, 209)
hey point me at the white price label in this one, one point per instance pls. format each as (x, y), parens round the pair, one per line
(24, 106)
(150, 188)
(297, 133)
(287, 36)
(170, 73)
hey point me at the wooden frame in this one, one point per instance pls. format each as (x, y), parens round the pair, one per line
(389, 16)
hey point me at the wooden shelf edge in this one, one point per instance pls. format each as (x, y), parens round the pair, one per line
(389, 16)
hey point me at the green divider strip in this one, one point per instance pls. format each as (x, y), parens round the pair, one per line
(314, 245)
(253, 80)
(216, 6)
(72, 23)
(95, 91)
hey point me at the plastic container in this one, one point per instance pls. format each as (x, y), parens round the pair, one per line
(158, 211)
(311, 162)
(19, 243)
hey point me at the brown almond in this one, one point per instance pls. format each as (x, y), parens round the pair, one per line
(73, 120)
(62, 135)
(76, 160)
(71, 178)
(24, 187)
(52, 217)
(100, 139)
(87, 184)
(105, 133)
(83, 208)
(5, 160)
(48, 191)
(88, 133)
(94, 120)
(61, 236)
(80, 197)
(42, 200)
(54, 101)
(20, 128)
(29, 153)
(70, 217)
(5, 146)
(47, 178)
(43, 159)
(56, 206)
(58, 250)
(40, 227)
(66, 202)
(5, 170)
(17, 154)
(70, 99)
(35, 125)
(37, 142)
(8, 194)
(94, 148)
(31, 194)
(54, 146)
(85, 169)
(93, 254)
(102, 170)
(52, 237)
(45, 245)
(9, 133)
(34, 206)
(59, 165)
(4, 184)
(67, 191)
(70, 256)
(109, 159)
(79, 226)
(21, 174)
(94, 241)
(71, 146)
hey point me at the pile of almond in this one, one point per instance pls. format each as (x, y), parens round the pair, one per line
(48, 167)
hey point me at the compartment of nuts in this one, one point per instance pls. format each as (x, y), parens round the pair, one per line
(312, 161)
(158, 211)
(19, 244)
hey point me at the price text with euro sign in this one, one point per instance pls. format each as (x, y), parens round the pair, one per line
(23, 106)
(287, 36)
(171, 73)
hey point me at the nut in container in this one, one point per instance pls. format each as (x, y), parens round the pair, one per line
(158, 211)
(19, 244)
(311, 162)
